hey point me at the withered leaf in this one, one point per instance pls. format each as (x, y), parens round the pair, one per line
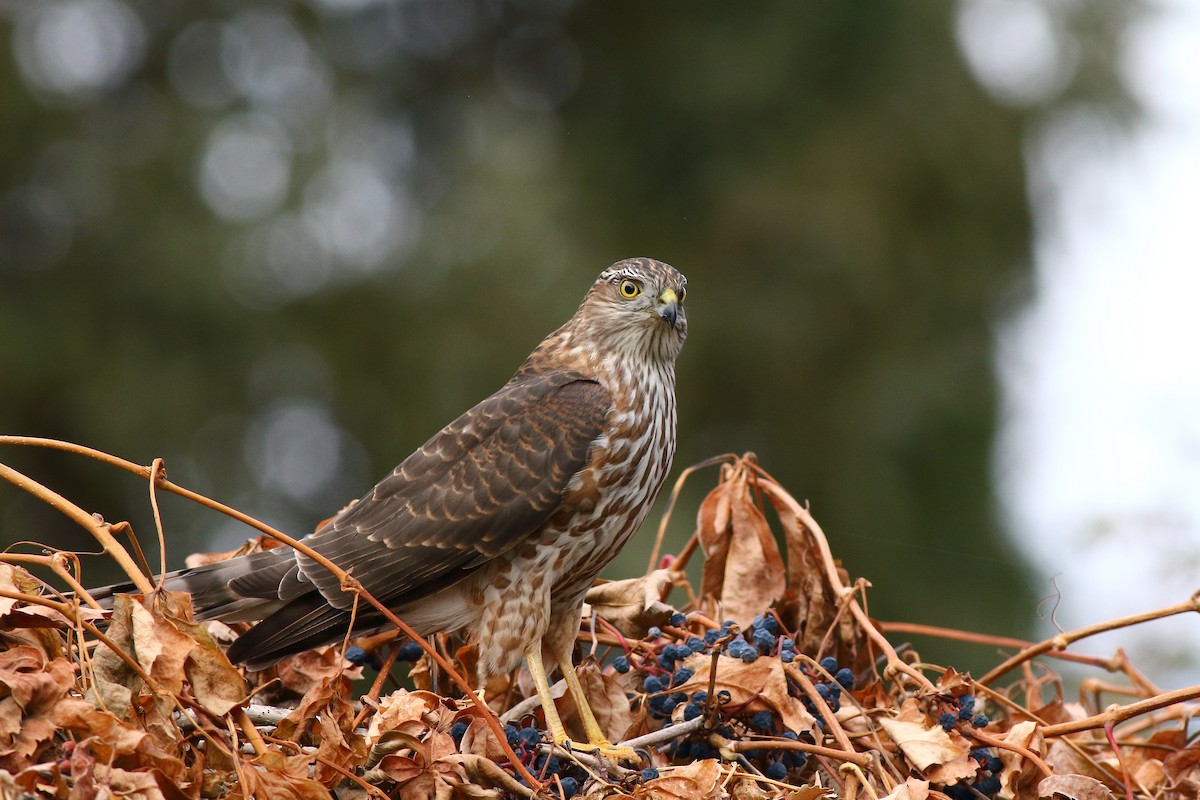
(757, 686)
(939, 755)
(1024, 734)
(1073, 787)
(911, 789)
(700, 780)
(607, 699)
(30, 688)
(743, 568)
(632, 606)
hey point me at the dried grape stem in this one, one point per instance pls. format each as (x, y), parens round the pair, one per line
(1063, 640)
(1118, 714)
(101, 530)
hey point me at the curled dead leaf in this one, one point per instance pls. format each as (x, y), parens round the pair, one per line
(700, 780)
(743, 569)
(1073, 787)
(939, 755)
(758, 686)
(632, 606)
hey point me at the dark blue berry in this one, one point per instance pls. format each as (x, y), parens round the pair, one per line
(457, 730)
(512, 735)
(569, 786)
(749, 655)
(947, 721)
(790, 735)
(529, 736)
(410, 652)
(823, 690)
(845, 678)
(795, 759)
(829, 664)
(692, 710)
(787, 656)
(621, 664)
(980, 721)
(764, 640)
(966, 706)
(981, 754)
(711, 636)
(696, 645)
(776, 771)
(666, 661)
(994, 764)
(684, 750)
(786, 643)
(678, 620)
(355, 655)
(770, 624)
(649, 774)
(989, 785)
(762, 721)
(654, 632)
(652, 684)
(700, 697)
(545, 765)
(668, 705)
(682, 675)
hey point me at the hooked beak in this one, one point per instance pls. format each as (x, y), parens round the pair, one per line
(668, 306)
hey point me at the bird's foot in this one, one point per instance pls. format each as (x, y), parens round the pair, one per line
(603, 748)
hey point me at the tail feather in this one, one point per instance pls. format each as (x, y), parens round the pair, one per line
(212, 586)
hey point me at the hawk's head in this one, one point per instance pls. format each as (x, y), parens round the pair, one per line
(637, 307)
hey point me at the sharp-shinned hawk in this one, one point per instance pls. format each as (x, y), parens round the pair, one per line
(498, 524)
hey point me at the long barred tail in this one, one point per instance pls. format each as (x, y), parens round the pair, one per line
(211, 588)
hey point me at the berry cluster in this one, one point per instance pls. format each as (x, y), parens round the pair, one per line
(987, 778)
(965, 712)
(761, 639)
(829, 690)
(524, 742)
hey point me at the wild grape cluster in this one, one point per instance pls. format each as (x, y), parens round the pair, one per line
(963, 710)
(987, 777)
(662, 677)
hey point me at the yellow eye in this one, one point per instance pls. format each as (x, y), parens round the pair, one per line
(630, 290)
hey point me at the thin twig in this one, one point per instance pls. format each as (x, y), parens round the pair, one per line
(1063, 640)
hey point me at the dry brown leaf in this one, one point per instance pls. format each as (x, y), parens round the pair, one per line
(274, 776)
(301, 672)
(700, 780)
(632, 606)
(911, 789)
(487, 774)
(159, 647)
(607, 698)
(402, 711)
(743, 569)
(30, 688)
(1073, 787)
(112, 737)
(325, 713)
(937, 755)
(1016, 772)
(758, 686)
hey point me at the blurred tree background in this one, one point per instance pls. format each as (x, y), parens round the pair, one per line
(281, 243)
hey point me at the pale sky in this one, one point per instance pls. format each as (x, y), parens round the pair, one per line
(1098, 462)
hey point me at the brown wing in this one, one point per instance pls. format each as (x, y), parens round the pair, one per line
(475, 490)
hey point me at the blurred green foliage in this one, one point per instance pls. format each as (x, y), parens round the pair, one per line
(279, 244)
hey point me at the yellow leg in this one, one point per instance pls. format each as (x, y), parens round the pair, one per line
(533, 660)
(596, 739)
